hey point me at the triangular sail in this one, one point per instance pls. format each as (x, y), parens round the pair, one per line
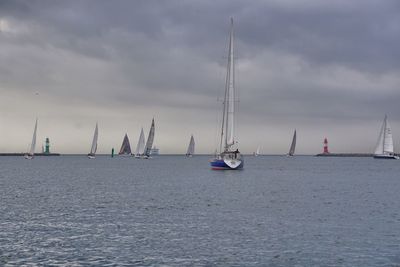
(228, 119)
(388, 147)
(258, 151)
(190, 150)
(93, 149)
(141, 144)
(150, 139)
(125, 147)
(385, 140)
(33, 144)
(293, 145)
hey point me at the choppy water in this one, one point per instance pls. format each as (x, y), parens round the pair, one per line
(174, 211)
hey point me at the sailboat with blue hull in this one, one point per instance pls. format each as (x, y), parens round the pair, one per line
(229, 157)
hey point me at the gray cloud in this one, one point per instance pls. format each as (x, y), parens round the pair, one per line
(320, 66)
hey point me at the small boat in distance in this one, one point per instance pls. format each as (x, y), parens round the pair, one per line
(125, 147)
(93, 149)
(229, 158)
(385, 148)
(190, 150)
(149, 143)
(292, 146)
(155, 151)
(31, 152)
(257, 153)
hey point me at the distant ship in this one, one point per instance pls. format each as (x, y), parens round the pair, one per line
(229, 158)
(31, 152)
(93, 148)
(125, 147)
(292, 146)
(257, 153)
(385, 148)
(190, 149)
(154, 151)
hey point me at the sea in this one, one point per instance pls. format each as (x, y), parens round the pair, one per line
(176, 211)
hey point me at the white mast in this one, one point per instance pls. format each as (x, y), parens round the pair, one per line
(228, 120)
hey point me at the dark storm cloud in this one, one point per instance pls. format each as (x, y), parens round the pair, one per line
(298, 61)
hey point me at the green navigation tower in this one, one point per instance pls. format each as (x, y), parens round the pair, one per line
(47, 148)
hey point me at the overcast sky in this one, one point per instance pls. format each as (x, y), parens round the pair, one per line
(327, 68)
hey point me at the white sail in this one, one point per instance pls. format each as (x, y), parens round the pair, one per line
(228, 118)
(93, 149)
(190, 150)
(293, 145)
(388, 146)
(258, 151)
(33, 144)
(385, 140)
(141, 144)
(150, 139)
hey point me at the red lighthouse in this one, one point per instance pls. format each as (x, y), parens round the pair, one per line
(326, 151)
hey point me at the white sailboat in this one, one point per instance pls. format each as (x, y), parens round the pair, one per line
(385, 148)
(257, 153)
(141, 145)
(190, 150)
(229, 157)
(292, 146)
(149, 143)
(93, 149)
(31, 152)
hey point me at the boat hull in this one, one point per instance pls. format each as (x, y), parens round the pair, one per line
(91, 156)
(386, 157)
(27, 156)
(221, 164)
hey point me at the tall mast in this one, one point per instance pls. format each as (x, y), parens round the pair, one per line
(384, 133)
(229, 101)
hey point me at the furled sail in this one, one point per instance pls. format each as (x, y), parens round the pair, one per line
(125, 147)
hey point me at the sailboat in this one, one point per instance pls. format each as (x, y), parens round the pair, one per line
(190, 150)
(93, 149)
(292, 146)
(140, 146)
(257, 153)
(31, 152)
(384, 148)
(125, 147)
(149, 143)
(229, 158)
